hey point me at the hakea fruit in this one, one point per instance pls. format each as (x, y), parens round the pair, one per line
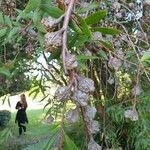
(93, 126)
(49, 23)
(114, 63)
(136, 90)
(53, 40)
(131, 114)
(62, 93)
(120, 54)
(80, 97)
(71, 62)
(92, 145)
(90, 112)
(85, 84)
(73, 116)
(29, 49)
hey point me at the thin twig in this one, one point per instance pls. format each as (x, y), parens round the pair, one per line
(64, 38)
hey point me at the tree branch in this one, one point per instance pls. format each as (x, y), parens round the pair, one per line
(64, 38)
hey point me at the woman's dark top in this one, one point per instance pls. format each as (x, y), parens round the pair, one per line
(21, 116)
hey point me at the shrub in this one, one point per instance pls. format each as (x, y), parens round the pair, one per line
(5, 117)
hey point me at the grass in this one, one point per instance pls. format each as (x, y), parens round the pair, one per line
(37, 134)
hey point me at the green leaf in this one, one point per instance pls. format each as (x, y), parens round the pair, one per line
(32, 5)
(1, 18)
(37, 20)
(13, 32)
(41, 39)
(96, 17)
(24, 15)
(103, 55)
(5, 71)
(7, 21)
(83, 25)
(54, 135)
(52, 11)
(90, 6)
(70, 145)
(46, 2)
(3, 32)
(106, 30)
(146, 56)
(78, 41)
(54, 55)
(37, 16)
(107, 45)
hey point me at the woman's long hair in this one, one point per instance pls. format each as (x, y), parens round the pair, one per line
(23, 100)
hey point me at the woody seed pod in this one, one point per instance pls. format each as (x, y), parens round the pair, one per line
(92, 145)
(93, 126)
(62, 93)
(50, 23)
(80, 97)
(114, 63)
(90, 112)
(53, 40)
(85, 84)
(72, 116)
(71, 62)
(136, 90)
(132, 115)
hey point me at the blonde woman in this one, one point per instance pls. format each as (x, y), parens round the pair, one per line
(21, 116)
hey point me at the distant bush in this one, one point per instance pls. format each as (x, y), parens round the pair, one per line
(5, 117)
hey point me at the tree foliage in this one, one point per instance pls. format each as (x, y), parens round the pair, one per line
(97, 54)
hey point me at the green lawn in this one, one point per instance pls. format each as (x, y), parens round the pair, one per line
(37, 134)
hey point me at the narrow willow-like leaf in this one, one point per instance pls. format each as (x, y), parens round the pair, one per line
(52, 11)
(146, 56)
(37, 20)
(32, 5)
(3, 32)
(7, 21)
(13, 32)
(5, 71)
(84, 27)
(54, 55)
(107, 45)
(106, 30)
(103, 54)
(54, 135)
(70, 145)
(1, 18)
(96, 17)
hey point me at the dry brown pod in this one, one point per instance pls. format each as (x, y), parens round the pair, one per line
(131, 114)
(63, 93)
(136, 90)
(90, 112)
(71, 62)
(114, 63)
(80, 97)
(93, 126)
(92, 145)
(53, 40)
(73, 116)
(49, 23)
(85, 84)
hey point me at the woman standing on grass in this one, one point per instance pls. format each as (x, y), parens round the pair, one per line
(21, 116)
